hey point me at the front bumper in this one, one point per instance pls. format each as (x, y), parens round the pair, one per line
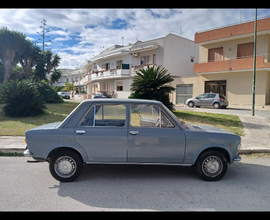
(237, 158)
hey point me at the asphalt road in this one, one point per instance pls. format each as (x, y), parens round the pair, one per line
(30, 187)
(231, 111)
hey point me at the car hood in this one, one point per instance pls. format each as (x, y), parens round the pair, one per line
(47, 126)
(205, 128)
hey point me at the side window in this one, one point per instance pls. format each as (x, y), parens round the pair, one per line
(149, 116)
(106, 115)
(202, 96)
(211, 96)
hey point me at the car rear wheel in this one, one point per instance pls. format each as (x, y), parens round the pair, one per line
(66, 166)
(216, 105)
(211, 166)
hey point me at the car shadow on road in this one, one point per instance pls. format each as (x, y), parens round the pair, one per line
(165, 187)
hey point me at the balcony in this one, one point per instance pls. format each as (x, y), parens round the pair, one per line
(143, 47)
(109, 74)
(230, 65)
(136, 68)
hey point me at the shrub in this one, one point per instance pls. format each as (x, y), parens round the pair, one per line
(21, 99)
(47, 93)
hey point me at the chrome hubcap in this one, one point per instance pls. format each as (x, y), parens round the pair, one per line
(65, 166)
(212, 166)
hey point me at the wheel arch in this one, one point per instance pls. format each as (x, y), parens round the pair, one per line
(218, 149)
(61, 148)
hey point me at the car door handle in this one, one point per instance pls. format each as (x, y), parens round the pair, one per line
(80, 132)
(134, 132)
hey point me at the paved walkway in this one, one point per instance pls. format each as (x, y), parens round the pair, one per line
(256, 134)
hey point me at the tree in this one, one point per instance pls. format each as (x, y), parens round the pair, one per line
(151, 84)
(29, 59)
(69, 87)
(12, 45)
(55, 76)
(46, 63)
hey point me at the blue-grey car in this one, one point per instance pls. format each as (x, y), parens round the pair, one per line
(208, 99)
(130, 131)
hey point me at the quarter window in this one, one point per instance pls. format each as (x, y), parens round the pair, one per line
(106, 115)
(149, 116)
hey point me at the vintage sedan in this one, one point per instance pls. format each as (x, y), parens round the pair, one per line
(130, 131)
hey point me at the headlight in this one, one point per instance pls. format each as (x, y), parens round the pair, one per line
(238, 147)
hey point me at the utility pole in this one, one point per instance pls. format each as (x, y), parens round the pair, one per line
(254, 64)
(43, 33)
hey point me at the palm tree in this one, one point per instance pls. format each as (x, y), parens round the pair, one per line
(12, 45)
(55, 76)
(151, 84)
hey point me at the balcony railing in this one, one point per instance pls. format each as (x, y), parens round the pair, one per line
(113, 73)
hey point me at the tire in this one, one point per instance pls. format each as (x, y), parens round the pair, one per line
(66, 166)
(190, 104)
(216, 105)
(211, 166)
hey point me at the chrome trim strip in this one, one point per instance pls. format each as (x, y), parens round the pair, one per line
(138, 163)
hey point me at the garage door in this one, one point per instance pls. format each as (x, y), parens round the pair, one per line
(183, 92)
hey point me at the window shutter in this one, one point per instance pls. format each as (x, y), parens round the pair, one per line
(245, 50)
(215, 54)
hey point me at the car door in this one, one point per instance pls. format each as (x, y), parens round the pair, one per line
(210, 99)
(200, 100)
(152, 136)
(103, 133)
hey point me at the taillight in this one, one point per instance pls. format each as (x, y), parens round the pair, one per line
(221, 99)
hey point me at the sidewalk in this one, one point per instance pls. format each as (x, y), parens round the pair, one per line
(255, 140)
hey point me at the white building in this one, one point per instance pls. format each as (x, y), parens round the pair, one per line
(114, 68)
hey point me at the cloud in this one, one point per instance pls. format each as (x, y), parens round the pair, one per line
(78, 34)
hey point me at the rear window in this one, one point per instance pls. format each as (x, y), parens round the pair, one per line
(222, 96)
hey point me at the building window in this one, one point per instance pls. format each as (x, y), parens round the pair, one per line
(154, 58)
(245, 50)
(119, 86)
(215, 54)
(106, 66)
(144, 59)
(216, 87)
(192, 59)
(119, 64)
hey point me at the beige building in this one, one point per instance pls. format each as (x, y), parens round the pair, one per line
(226, 65)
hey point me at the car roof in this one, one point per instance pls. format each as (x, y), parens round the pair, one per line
(114, 100)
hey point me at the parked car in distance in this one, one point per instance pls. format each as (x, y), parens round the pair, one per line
(64, 95)
(102, 95)
(130, 131)
(208, 99)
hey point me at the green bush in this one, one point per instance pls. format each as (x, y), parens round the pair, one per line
(47, 93)
(21, 99)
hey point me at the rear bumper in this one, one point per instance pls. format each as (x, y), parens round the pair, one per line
(27, 153)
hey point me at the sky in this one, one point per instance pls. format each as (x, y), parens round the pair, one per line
(79, 34)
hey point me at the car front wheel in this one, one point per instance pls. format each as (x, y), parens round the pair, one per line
(211, 166)
(191, 104)
(66, 166)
